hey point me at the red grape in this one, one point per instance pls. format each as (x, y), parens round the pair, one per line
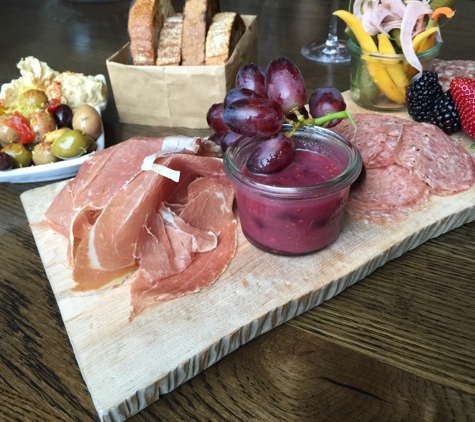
(238, 93)
(254, 117)
(271, 155)
(214, 117)
(325, 101)
(285, 84)
(229, 138)
(252, 76)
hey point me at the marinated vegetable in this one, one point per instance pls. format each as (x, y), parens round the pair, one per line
(19, 153)
(43, 154)
(39, 107)
(7, 134)
(32, 99)
(70, 144)
(6, 162)
(41, 122)
(63, 116)
(87, 120)
(21, 126)
(51, 136)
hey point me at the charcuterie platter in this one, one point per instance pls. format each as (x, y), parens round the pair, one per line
(127, 365)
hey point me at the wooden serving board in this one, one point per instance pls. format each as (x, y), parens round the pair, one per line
(128, 365)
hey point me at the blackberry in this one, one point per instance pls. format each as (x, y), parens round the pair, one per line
(445, 114)
(421, 95)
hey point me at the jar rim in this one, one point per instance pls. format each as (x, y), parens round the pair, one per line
(328, 187)
(356, 49)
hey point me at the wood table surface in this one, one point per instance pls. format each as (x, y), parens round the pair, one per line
(397, 346)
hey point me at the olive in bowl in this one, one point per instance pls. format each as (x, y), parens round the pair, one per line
(6, 162)
(87, 120)
(19, 154)
(43, 154)
(70, 144)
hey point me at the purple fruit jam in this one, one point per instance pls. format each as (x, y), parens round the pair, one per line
(299, 209)
(294, 226)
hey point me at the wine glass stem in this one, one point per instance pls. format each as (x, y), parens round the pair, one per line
(332, 40)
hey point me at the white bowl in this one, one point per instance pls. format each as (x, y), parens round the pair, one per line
(60, 169)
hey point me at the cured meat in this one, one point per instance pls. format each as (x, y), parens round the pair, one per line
(448, 70)
(101, 176)
(109, 250)
(440, 162)
(97, 181)
(375, 136)
(405, 162)
(386, 156)
(388, 195)
(152, 208)
(209, 209)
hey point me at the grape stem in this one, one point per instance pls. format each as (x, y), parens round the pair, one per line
(320, 121)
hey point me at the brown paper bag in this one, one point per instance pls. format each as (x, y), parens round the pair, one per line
(176, 96)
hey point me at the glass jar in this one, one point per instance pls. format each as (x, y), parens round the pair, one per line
(294, 220)
(369, 72)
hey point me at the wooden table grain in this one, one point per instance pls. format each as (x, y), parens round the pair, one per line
(398, 345)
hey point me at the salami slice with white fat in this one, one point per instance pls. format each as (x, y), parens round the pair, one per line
(388, 195)
(448, 70)
(440, 162)
(375, 136)
(389, 144)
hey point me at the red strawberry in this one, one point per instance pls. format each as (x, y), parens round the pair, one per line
(463, 93)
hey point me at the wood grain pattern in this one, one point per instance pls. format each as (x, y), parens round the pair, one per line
(129, 365)
(397, 345)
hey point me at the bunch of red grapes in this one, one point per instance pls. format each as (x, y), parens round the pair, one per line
(262, 102)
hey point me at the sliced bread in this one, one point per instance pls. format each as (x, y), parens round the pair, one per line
(197, 18)
(225, 31)
(145, 22)
(169, 43)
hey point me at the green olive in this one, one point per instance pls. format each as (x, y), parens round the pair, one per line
(21, 156)
(7, 134)
(70, 144)
(42, 154)
(87, 119)
(32, 99)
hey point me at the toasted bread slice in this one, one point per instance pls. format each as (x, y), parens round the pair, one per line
(197, 18)
(169, 43)
(224, 33)
(145, 22)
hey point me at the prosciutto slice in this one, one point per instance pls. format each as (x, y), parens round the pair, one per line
(110, 247)
(100, 177)
(164, 216)
(209, 209)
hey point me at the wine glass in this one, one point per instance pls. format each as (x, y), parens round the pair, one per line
(332, 50)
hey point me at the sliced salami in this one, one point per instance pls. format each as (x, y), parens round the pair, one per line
(375, 136)
(386, 156)
(440, 162)
(388, 195)
(447, 70)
